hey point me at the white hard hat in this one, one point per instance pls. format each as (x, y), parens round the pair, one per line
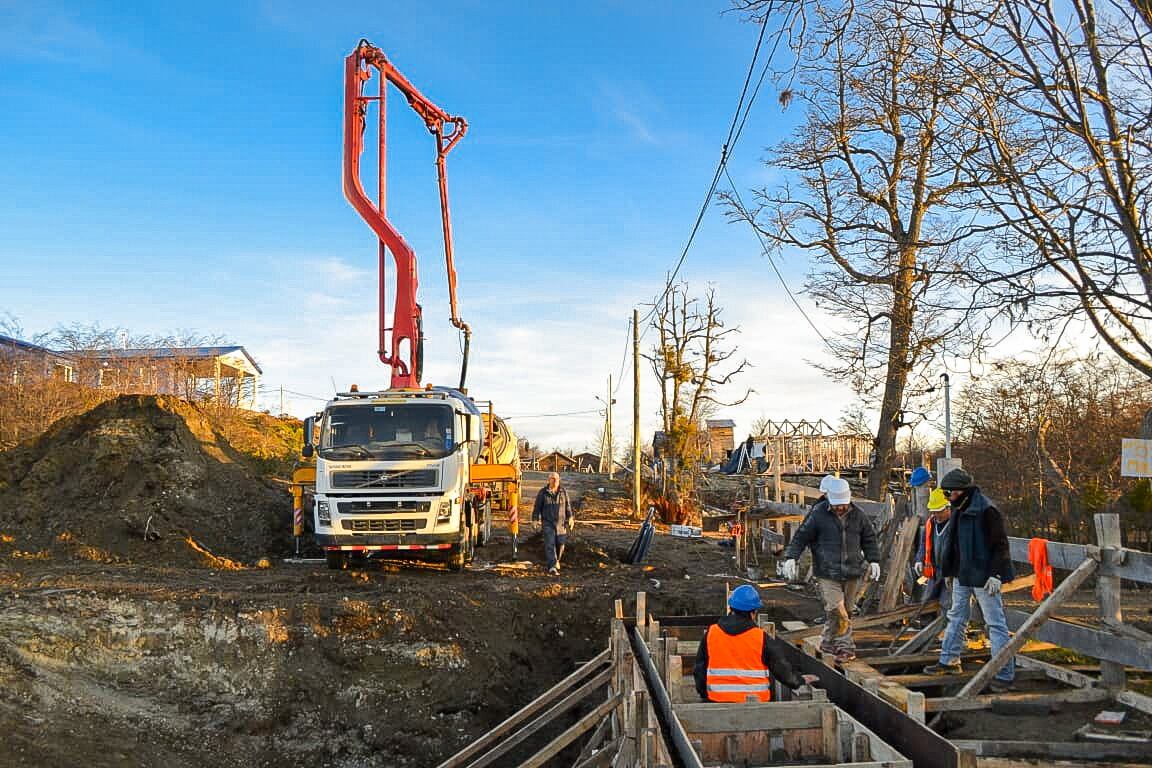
(839, 492)
(825, 481)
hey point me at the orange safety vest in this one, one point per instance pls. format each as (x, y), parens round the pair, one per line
(929, 566)
(736, 666)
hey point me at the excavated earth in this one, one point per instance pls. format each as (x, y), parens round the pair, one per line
(149, 616)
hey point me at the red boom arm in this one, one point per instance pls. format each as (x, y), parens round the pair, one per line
(448, 129)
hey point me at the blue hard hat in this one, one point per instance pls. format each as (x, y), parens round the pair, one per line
(744, 598)
(920, 475)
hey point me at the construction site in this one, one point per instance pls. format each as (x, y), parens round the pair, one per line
(458, 561)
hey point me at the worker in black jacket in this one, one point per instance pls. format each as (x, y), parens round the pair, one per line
(735, 662)
(978, 560)
(844, 549)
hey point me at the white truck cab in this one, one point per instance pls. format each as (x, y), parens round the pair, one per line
(393, 475)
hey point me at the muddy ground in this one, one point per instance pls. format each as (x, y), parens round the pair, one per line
(123, 664)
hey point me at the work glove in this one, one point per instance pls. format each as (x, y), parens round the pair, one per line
(789, 570)
(874, 571)
(919, 568)
(992, 586)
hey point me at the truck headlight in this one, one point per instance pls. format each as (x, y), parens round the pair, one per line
(444, 511)
(323, 512)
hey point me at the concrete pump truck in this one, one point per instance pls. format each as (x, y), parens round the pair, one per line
(413, 469)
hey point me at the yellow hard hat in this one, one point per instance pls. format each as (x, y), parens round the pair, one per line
(937, 500)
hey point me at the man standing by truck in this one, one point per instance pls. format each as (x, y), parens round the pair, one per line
(553, 511)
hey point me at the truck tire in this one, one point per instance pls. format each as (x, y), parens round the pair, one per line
(461, 554)
(337, 560)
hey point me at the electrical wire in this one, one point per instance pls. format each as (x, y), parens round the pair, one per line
(729, 143)
(543, 415)
(776, 269)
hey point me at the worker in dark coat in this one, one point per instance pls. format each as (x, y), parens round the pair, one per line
(844, 548)
(734, 662)
(553, 511)
(978, 560)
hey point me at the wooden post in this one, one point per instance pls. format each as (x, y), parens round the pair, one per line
(1112, 675)
(778, 451)
(641, 611)
(1066, 589)
(897, 560)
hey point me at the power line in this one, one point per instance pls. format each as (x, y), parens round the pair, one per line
(725, 150)
(768, 255)
(543, 415)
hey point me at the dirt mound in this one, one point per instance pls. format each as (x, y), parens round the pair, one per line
(141, 478)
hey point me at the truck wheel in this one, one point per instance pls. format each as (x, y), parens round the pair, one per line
(337, 560)
(461, 554)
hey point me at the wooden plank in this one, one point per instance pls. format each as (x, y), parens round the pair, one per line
(568, 702)
(541, 701)
(706, 717)
(602, 758)
(1055, 672)
(924, 637)
(641, 609)
(582, 726)
(1070, 696)
(866, 622)
(1100, 643)
(883, 663)
(1135, 565)
(895, 562)
(1135, 700)
(830, 734)
(1059, 750)
(1108, 592)
(1038, 617)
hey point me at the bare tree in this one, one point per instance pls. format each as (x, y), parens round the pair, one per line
(694, 361)
(877, 193)
(1066, 90)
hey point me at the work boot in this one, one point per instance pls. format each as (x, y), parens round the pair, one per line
(1001, 686)
(553, 571)
(944, 669)
(845, 655)
(827, 648)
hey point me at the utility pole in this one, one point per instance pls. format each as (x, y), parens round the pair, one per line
(947, 417)
(281, 400)
(636, 413)
(609, 401)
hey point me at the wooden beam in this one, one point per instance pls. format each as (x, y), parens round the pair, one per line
(583, 725)
(1057, 750)
(568, 702)
(772, 715)
(895, 562)
(1134, 566)
(923, 638)
(1133, 648)
(1041, 614)
(1055, 672)
(986, 701)
(1108, 591)
(541, 701)
(1135, 700)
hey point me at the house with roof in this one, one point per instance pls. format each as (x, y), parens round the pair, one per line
(721, 439)
(22, 360)
(557, 462)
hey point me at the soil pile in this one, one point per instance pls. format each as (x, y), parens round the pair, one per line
(141, 478)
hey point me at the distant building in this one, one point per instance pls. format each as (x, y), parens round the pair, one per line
(556, 462)
(22, 360)
(721, 439)
(587, 462)
(226, 374)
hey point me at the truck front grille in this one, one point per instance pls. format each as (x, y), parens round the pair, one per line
(386, 478)
(383, 507)
(383, 526)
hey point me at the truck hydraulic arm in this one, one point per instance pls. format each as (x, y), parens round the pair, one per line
(407, 330)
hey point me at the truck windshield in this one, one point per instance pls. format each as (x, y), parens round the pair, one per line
(373, 431)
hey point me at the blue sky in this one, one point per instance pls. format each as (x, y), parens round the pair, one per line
(177, 166)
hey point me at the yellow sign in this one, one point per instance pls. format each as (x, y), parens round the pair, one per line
(1135, 458)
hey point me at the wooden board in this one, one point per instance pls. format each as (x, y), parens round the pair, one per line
(1097, 642)
(1136, 565)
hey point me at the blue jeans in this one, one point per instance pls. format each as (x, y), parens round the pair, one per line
(993, 609)
(552, 540)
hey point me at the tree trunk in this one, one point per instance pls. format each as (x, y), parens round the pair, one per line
(894, 383)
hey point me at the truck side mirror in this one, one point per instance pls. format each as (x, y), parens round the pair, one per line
(473, 437)
(307, 450)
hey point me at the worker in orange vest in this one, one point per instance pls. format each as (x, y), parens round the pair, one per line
(735, 663)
